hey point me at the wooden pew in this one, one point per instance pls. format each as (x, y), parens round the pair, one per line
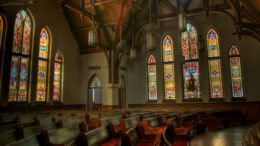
(97, 137)
(173, 136)
(63, 136)
(136, 136)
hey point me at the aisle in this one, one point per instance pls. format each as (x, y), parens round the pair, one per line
(224, 137)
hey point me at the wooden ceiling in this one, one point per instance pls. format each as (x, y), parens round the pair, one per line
(117, 20)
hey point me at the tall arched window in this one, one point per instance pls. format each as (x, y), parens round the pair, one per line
(2, 34)
(168, 62)
(236, 74)
(215, 73)
(2, 23)
(20, 64)
(42, 80)
(58, 78)
(152, 84)
(191, 74)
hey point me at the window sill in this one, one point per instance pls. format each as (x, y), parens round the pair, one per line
(238, 99)
(216, 100)
(193, 100)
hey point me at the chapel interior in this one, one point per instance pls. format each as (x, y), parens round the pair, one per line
(129, 72)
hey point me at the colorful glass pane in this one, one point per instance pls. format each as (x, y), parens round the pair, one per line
(44, 44)
(234, 51)
(213, 44)
(168, 54)
(57, 82)
(14, 79)
(191, 77)
(41, 81)
(26, 36)
(169, 82)
(215, 78)
(17, 33)
(22, 92)
(152, 82)
(1, 30)
(236, 77)
(57, 58)
(189, 43)
(151, 60)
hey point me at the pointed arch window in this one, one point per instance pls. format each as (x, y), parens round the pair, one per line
(191, 74)
(152, 80)
(43, 62)
(2, 39)
(236, 74)
(58, 79)
(168, 64)
(215, 73)
(20, 63)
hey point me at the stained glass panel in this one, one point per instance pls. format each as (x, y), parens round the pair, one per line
(17, 33)
(152, 82)
(151, 60)
(22, 92)
(236, 77)
(215, 78)
(57, 58)
(168, 54)
(233, 51)
(213, 44)
(57, 82)
(44, 44)
(189, 43)
(14, 79)
(41, 81)
(26, 36)
(191, 77)
(1, 30)
(169, 83)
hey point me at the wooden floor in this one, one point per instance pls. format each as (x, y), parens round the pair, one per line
(224, 137)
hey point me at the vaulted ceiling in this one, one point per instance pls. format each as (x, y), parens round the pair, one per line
(117, 20)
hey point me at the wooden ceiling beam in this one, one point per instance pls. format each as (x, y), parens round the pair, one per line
(88, 5)
(171, 6)
(216, 8)
(250, 8)
(187, 4)
(249, 25)
(250, 17)
(206, 6)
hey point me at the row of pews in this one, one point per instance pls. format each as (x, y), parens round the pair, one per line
(121, 127)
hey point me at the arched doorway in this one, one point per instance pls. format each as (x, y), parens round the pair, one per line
(95, 93)
(122, 93)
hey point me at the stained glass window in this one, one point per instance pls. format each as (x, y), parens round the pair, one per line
(213, 44)
(20, 64)
(1, 30)
(191, 80)
(215, 74)
(191, 74)
(44, 44)
(42, 77)
(235, 69)
(152, 84)
(168, 55)
(169, 76)
(215, 78)
(190, 43)
(58, 79)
